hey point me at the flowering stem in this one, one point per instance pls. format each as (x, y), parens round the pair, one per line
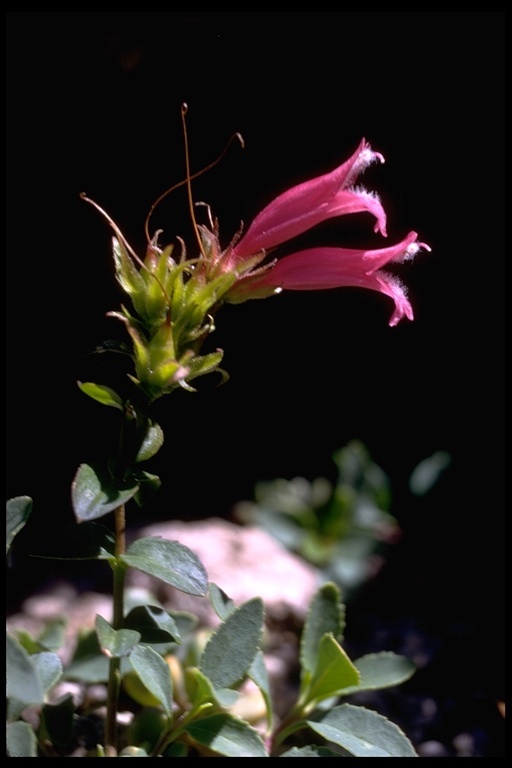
(119, 569)
(114, 676)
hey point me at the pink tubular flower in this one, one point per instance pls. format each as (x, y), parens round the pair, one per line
(312, 202)
(318, 268)
(301, 208)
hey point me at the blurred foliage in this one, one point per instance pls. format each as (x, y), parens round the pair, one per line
(344, 528)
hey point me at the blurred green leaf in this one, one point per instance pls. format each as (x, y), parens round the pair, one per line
(23, 681)
(427, 472)
(18, 512)
(21, 740)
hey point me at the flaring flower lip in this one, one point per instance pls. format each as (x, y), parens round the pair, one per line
(329, 267)
(301, 208)
(312, 202)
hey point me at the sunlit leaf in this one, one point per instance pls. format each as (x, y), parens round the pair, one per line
(169, 561)
(155, 674)
(333, 671)
(101, 393)
(381, 670)
(325, 615)
(362, 732)
(228, 736)
(231, 650)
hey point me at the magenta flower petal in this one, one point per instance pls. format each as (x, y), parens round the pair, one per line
(312, 202)
(321, 268)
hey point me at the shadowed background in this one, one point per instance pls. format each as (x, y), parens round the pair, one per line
(93, 104)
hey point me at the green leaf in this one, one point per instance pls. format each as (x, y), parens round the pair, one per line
(53, 635)
(381, 670)
(21, 740)
(28, 642)
(231, 650)
(18, 512)
(102, 394)
(169, 561)
(115, 643)
(95, 493)
(259, 675)
(326, 614)
(153, 623)
(228, 736)
(23, 682)
(198, 687)
(155, 674)
(202, 693)
(220, 602)
(128, 275)
(87, 541)
(49, 669)
(362, 732)
(333, 672)
(151, 443)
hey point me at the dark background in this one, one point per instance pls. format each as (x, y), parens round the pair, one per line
(93, 104)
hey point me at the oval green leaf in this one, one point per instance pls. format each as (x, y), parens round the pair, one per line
(21, 740)
(101, 393)
(228, 736)
(23, 682)
(48, 667)
(381, 670)
(170, 562)
(232, 649)
(155, 674)
(325, 615)
(95, 493)
(362, 732)
(152, 442)
(115, 643)
(333, 673)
